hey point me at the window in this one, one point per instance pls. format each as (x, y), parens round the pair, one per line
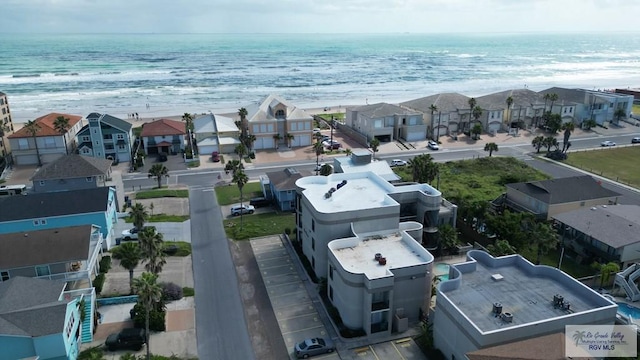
(313, 225)
(43, 222)
(43, 270)
(313, 243)
(280, 114)
(330, 272)
(122, 147)
(23, 144)
(120, 136)
(107, 136)
(108, 147)
(256, 129)
(86, 139)
(377, 124)
(36, 222)
(4, 275)
(85, 150)
(89, 178)
(294, 126)
(72, 320)
(307, 126)
(270, 127)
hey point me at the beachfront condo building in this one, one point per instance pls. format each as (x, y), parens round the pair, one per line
(489, 303)
(386, 122)
(45, 142)
(364, 234)
(6, 129)
(215, 133)
(106, 137)
(604, 107)
(445, 113)
(276, 123)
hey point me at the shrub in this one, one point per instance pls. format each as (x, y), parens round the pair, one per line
(156, 318)
(287, 231)
(188, 291)
(105, 264)
(171, 291)
(252, 155)
(91, 353)
(98, 282)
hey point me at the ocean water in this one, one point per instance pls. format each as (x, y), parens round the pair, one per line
(174, 74)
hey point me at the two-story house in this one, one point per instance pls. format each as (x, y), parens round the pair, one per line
(275, 123)
(280, 186)
(6, 129)
(449, 114)
(215, 133)
(105, 137)
(52, 210)
(47, 143)
(163, 136)
(386, 122)
(585, 104)
(72, 172)
(39, 320)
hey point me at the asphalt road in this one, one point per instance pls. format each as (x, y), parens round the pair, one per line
(221, 327)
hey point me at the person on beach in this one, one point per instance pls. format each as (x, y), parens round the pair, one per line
(137, 118)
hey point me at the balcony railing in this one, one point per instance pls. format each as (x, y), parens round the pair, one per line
(380, 305)
(520, 208)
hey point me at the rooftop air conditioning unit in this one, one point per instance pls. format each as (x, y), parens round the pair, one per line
(507, 317)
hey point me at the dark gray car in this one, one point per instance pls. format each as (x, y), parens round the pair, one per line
(314, 346)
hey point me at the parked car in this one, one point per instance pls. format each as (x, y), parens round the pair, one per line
(130, 234)
(242, 209)
(433, 145)
(607, 143)
(331, 144)
(316, 130)
(397, 162)
(313, 346)
(130, 339)
(259, 202)
(635, 140)
(215, 156)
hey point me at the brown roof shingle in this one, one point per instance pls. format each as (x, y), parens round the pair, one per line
(163, 127)
(46, 126)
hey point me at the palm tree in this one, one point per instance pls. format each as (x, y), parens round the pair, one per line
(550, 141)
(546, 98)
(606, 270)
(423, 168)
(491, 147)
(277, 138)
(544, 238)
(250, 139)
(188, 119)
(129, 255)
(289, 137)
(472, 105)
(241, 179)
(553, 97)
(233, 166)
(448, 237)
(568, 128)
(242, 112)
(433, 109)
(151, 244)
(61, 125)
(149, 293)
(326, 170)
(538, 142)
(476, 130)
(319, 148)
(501, 248)
(509, 103)
(32, 128)
(241, 150)
(374, 144)
(138, 215)
(159, 171)
(618, 115)
(348, 151)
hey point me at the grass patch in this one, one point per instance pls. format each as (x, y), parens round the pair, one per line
(480, 179)
(635, 109)
(259, 225)
(619, 164)
(160, 193)
(188, 291)
(552, 258)
(229, 194)
(162, 218)
(2, 181)
(193, 164)
(184, 248)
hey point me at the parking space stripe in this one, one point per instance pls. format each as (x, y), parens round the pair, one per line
(374, 353)
(297, 331)
(301, 316)
(398, 351)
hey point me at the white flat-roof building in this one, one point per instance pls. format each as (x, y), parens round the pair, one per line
(491, 301)
(380, 279)
(361, 161)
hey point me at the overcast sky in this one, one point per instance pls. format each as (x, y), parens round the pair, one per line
(316, 16)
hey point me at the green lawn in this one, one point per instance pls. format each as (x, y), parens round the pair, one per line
(480, 179)
(229, 194)
(184, 248)
(619, 164)
(162, 218)
(259, 225)
(160, 193)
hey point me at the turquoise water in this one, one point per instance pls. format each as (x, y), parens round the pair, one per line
(176, 73)
(629, 311)
(441, 271)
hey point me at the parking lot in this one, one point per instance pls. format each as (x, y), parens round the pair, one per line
(297, 312)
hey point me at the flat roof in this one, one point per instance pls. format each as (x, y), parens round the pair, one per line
(362, 191)
(381, 168)
(525, 290)
(395, 248)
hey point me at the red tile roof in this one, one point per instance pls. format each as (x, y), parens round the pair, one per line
(163, 127)
(46, 125)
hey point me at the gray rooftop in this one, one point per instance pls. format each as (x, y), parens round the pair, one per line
(614, 225)
(62, 245)
(73, 166)
(31, 307)
(526, 291)
(564, 190)
(286, 179)
(445, 102)
(61, 203)
(112, 121)
(379, 110)
(521, 98)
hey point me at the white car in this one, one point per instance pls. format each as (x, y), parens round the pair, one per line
(433, 145)
(607, 143)
(397, 162)
(242, 209)
(316, 131)
(130, 234)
